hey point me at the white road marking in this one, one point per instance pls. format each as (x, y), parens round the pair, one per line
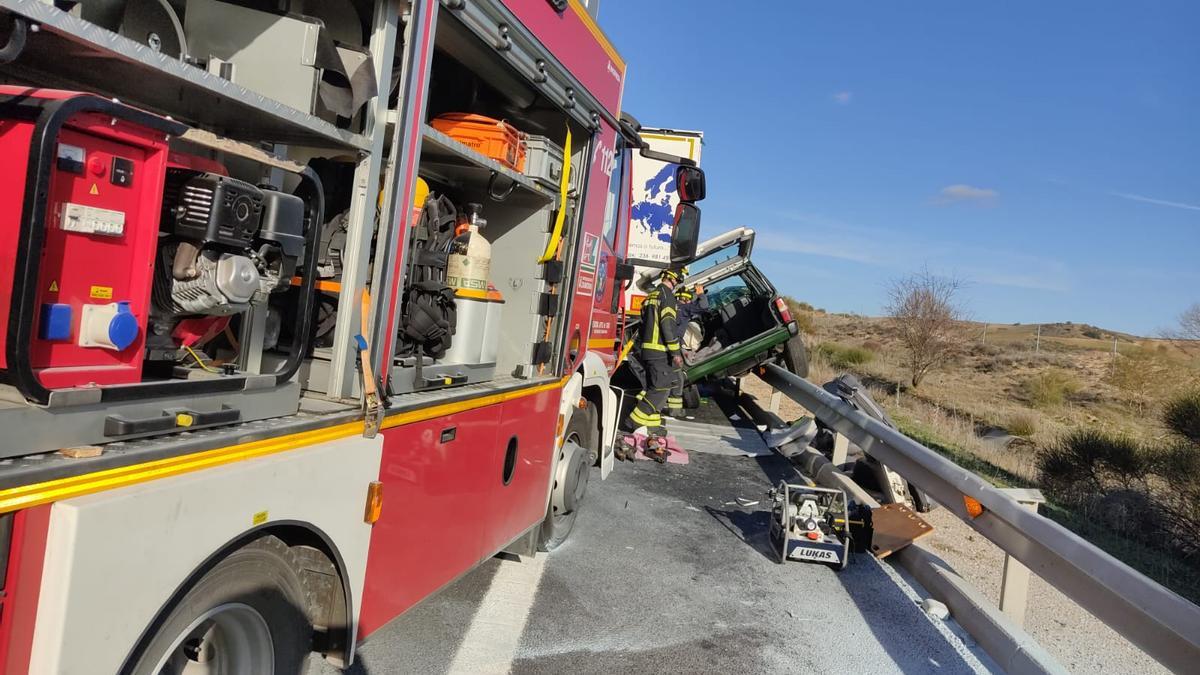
(491, 642)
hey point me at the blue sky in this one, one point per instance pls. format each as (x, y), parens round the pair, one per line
(1047, 153)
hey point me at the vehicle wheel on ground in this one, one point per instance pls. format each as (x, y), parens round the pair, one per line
(691, 397)
(246, 615)
(795, 356)
(570, 481)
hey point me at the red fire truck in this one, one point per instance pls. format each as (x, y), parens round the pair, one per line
(308, 308)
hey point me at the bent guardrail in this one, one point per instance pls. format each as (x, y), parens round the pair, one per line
(1158, 621)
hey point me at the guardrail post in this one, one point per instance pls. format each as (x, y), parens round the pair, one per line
(841, 448)
(1014, 585)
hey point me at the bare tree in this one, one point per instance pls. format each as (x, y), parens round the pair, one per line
(1185, 336)
(1189, 323)
(925, 309)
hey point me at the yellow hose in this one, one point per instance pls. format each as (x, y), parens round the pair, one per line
(560, 219)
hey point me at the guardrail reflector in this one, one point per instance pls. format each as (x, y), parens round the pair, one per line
(974, 508)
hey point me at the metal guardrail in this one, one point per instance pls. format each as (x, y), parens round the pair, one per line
(1160, 622)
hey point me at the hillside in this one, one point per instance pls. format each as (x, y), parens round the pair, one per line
(1005, 378)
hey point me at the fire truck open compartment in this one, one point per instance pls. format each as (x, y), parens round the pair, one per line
(467, 77)
(243, 131)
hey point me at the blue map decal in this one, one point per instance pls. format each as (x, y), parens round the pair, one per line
(654, 211)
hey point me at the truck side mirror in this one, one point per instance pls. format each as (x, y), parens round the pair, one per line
(686, 234)
(624, 272)
(689, 181)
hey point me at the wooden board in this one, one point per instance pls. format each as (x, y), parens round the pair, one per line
(896, 526)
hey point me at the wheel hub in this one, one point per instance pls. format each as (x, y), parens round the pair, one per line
(230, 639)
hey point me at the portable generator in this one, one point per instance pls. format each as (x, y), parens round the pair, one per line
(115, 250)
(79, 212)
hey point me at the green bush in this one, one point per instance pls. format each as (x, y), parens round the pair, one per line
(1023, 424)
(1141, 502)
(1093, 461)
(1050, 387)
(841, 356)
(1181, 414)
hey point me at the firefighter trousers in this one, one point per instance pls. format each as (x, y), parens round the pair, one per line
(660, 377)
(675, 396)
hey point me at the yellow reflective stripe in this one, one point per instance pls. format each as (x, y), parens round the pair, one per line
(644, 419)
(673, 346)
(654, 347)
(668, 311)
(25, 496)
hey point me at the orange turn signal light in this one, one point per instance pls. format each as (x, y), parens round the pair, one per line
(374, 502)
(974, 508)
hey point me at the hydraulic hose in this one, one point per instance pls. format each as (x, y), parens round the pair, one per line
(17, 36)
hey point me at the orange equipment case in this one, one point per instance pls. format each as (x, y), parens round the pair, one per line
(495, 138)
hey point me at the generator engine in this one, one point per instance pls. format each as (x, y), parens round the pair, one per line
(225, 245)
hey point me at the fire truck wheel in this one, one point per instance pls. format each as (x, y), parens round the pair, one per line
(246, 615)
(570, 482)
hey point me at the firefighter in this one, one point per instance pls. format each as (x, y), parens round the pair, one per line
(690, 305)
(659, 355)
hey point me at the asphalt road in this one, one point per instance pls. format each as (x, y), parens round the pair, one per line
(664, 574)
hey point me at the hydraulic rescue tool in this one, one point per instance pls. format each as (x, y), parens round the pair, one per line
(817, 524)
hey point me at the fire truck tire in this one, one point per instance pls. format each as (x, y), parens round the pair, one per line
(245, 615)
(571, 477)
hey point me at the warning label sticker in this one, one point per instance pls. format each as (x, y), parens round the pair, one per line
(101, 293)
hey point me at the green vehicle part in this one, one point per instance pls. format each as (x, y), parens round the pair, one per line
(749, 350)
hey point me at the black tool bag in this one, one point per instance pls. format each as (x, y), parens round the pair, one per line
(428, 314)
(429, 319)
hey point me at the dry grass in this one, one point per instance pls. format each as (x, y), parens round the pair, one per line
(1051, 387)
(842, 356)
(985, 385)
(1024, 425)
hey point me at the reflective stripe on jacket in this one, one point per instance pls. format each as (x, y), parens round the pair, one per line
(659, 320)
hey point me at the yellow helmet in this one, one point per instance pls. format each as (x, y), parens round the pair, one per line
(676, 273)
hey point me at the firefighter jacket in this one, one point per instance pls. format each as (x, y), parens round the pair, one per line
(686, 311)
(660, 316)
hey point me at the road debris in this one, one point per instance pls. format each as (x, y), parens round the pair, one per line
(936, 609)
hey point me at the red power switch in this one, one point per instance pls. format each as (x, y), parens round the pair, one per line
(97, 166)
